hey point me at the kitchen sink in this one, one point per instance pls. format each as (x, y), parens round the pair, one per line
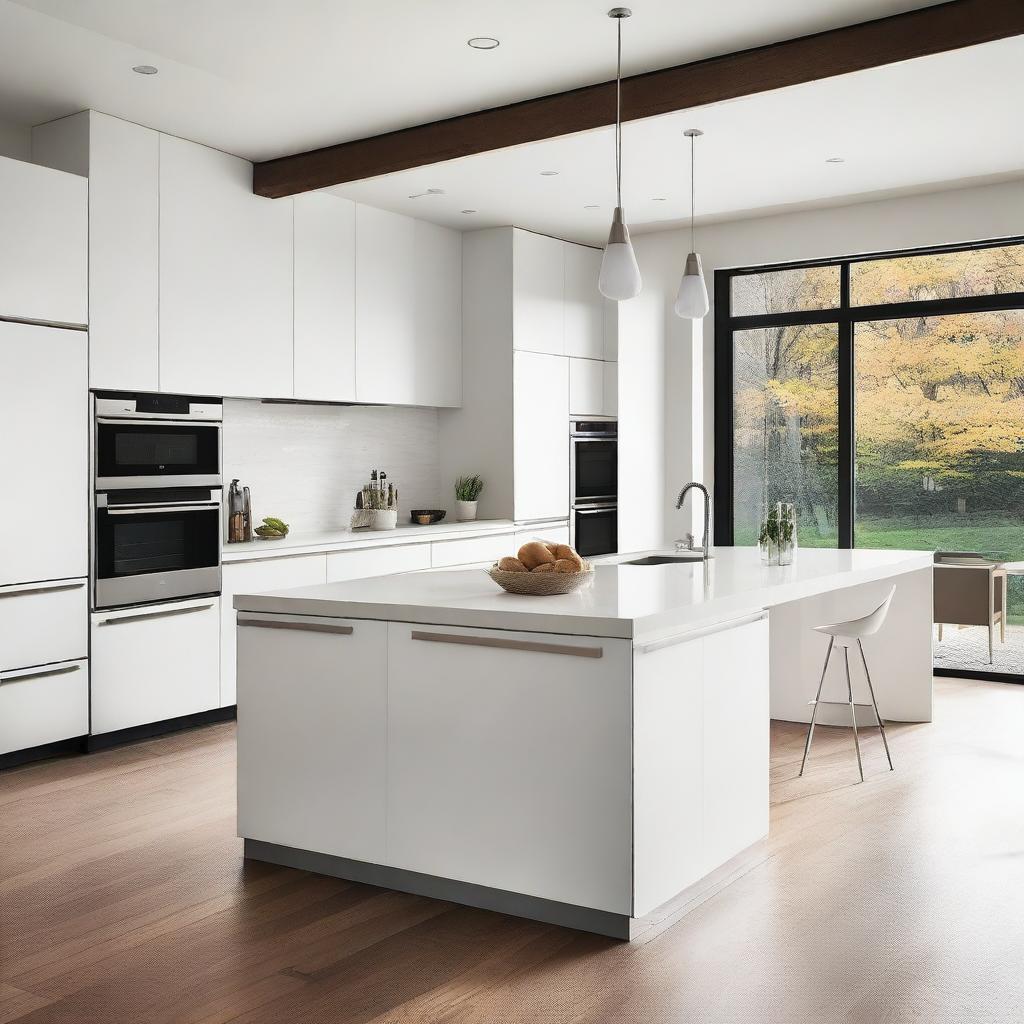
(689, 556)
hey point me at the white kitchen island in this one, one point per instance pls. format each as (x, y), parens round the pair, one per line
(579, 759)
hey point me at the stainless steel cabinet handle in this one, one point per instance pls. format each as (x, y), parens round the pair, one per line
(43, 588)
(306, 627)
(37, 673)
(594, 511)
(159, 614)
(510, 645)
(146, 510)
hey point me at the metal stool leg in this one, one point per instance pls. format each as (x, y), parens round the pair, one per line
(814, 710)
(878, 714)
(853, 710)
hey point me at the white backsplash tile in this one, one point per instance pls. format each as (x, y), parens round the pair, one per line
(305, 463)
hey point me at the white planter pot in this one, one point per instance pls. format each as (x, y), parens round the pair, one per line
(383, 519)
(465, 511)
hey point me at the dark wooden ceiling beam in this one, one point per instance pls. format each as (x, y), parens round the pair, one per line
(929, 30)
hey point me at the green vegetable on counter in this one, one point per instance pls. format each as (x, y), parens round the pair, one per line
(272, 528)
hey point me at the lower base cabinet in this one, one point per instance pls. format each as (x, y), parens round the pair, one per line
(154, 663)
(312, 756)
(44, 704)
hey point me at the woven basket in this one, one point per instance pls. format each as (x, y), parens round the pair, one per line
(541, 584)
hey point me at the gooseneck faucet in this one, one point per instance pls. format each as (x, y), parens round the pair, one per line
(706, 546)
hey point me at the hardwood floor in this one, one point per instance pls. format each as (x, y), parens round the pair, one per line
(124, 898)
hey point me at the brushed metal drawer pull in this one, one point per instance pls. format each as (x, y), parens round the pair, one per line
(305, 627)
(37, 673)
(510, 645)
(43, 588)
(162, 613)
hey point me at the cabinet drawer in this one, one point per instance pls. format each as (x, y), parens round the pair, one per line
(154, 663)
(357, 565)
(556, 533)
(43, 622)
(44, 704)
(475, 549)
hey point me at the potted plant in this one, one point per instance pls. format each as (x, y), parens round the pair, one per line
(777, 539)
(467, 491)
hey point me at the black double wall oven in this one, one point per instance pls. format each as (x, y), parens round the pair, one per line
(594, 474)
(157, 498)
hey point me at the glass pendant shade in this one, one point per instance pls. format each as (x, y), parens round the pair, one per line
(620, 274)
(692, 297)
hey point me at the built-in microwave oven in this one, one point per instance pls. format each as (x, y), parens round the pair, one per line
(146, 440)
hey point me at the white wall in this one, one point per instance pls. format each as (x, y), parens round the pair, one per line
(957, 215)
(15, 140)
(305, 463)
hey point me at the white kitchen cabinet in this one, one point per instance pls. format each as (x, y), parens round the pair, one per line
(43, 622)
(44, 460)
(540, 436)
(552, 533)
(43, 244)
(258, 577)
(225, 277)
(538, 275)
(43, 704)
(446, 553)
(509, 761)
(584, 304)
(586, 387)
(154, 663)
(325, 252)
(320, 687)
(360, 563)
(124, 219)
(408, 310)
(611, 388)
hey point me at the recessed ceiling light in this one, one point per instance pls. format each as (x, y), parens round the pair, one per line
(548, 174)
(144, 69)
(483, 43)
(469, 211)
(659, 199)
(592, 206)
(428, 192)
(835, 160)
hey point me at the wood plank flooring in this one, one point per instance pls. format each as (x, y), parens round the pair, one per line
(124, 898)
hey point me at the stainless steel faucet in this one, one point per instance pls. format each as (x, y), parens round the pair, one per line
(706, 546)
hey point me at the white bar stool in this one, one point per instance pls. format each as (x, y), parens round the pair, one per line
(846, 634)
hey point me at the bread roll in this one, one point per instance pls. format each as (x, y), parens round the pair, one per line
(563, 551)
(510, 564)
(544, 567)
(552, 547)
(535, 553)
(566, 565)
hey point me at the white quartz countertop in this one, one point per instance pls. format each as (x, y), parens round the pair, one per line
(338, 540)
(639, 602)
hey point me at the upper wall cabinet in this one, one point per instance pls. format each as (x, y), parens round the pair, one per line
(538, 273)
(43, 244)
(325, 302)
(408, 310)
(584, 304)
(225, 277)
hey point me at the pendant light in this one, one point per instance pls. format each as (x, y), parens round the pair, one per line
(692, 297)
(620, 275)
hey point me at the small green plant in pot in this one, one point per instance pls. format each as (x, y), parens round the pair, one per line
(467, 491)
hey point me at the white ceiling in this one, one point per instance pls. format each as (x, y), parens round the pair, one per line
(914, 126)
(261, 78)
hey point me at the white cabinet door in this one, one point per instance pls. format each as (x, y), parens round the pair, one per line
(325, 282)
(385, 307)
(44, 389)
(488, 549)
(312, 759)
(43, 622)
(383, 561)
(44, 243)
(584, 304)
(154, 663)
(225, 277)
(257, 578)
(124, 218)
(44, 704)
(541, 436)
(611, 389)
(437, 349)
(510, 766)
(538, 290)
(586, 387)
(668, 772)
(553, 533)
(408, 310)
(736, 724)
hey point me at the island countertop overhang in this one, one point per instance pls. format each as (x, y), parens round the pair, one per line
(640, 603)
